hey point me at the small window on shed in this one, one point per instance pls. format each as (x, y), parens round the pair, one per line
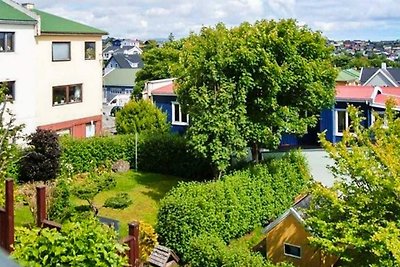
(292, 250)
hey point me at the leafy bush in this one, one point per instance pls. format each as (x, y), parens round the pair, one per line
(42, 161)
(84, 243)
(209, 250)
(230, 207)
(170, 154)
(141, 116)
(60, 207)
(119, 201)
(147, 240)
(84, 155)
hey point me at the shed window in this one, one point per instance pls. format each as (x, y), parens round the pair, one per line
(292, 250)
(179, 118)
(343, 121)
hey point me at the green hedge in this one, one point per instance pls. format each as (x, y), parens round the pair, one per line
(209, 250)
(84, 155)
(233, 206)
(162, 153)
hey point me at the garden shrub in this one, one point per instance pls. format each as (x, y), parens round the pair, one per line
(147, 240)
(230, 207)
(60, 207)
(211, 251)
(42, 160)
(170, 154)
(119, 201)
(84, 155)
(78, 243)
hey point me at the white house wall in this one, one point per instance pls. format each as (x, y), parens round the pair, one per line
(20, 66)
(76, 71)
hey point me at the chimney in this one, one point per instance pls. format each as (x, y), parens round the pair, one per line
(28, 6)
(383, 65)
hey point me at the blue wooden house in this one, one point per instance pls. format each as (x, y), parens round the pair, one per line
(162, 94)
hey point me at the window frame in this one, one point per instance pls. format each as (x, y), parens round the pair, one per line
(5, 50)
(291, 255)
(346, 122)
(68, 100)
(85, 49)
(179, 122)
(52, 51)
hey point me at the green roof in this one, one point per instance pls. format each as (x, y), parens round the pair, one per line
(8, 12)
(55, 24)
(121, 77)
(348, 75)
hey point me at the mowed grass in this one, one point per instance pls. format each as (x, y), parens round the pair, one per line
(145, 190)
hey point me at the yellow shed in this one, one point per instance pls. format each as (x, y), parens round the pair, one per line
(287, 239)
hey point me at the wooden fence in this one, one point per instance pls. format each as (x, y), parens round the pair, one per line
(7, 223)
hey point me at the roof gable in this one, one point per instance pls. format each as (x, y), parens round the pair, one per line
(10, 13)
(57, 25)
(121, 77)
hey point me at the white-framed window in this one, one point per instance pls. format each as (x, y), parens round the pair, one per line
(7, 42)
(179, 118)
(62, 132)
(90, 129)
(342, 121)
(61, 51)
(67, 94)
(292, 250)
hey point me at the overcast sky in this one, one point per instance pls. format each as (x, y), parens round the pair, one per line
(145, 19)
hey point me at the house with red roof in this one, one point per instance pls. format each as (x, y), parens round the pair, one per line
(367, 98)
(162, 94)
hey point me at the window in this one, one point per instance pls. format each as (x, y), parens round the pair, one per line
(67, 94)
(7, 42)
(292, 250)
(61, 51)
(10, 91)
(179, 118)
(343, 121)
(90, 129)
(63, 132)
(90, 50)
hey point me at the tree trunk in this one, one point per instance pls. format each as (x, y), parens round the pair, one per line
(255, 152)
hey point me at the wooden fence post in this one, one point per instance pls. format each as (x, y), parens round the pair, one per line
(9, 215)
(40, 205)
(134, 246)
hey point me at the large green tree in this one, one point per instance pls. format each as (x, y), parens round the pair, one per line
(159, 63)
(248, 85)
(358, 218)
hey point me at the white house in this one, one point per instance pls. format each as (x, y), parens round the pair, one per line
(54, 70)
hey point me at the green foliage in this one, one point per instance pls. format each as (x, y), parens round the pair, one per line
(84, 243)
(230, 207)
(346, 61)
(358, 218)
(42, 160)
(9, 133)
(170, 154)
(88, 186)
(60, 207)
(250, 84)
(119, 201)
(141, 116)
(147, 240)
(84, 155)
(159, 63)
(209, 250)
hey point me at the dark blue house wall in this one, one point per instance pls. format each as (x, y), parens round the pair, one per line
(164, 103)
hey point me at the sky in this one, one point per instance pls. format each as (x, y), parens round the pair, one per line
(147, 19)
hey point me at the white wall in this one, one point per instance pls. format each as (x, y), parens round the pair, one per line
(77, 71)
(20, 66)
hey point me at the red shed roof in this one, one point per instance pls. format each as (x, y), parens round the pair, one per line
(165, 90)
(355, 93)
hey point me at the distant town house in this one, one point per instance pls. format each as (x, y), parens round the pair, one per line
(53, 70)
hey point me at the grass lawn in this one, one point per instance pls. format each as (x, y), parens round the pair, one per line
(144, 189)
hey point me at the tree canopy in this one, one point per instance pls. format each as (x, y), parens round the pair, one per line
(358, 218)
(141, 117)
(248, 85)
